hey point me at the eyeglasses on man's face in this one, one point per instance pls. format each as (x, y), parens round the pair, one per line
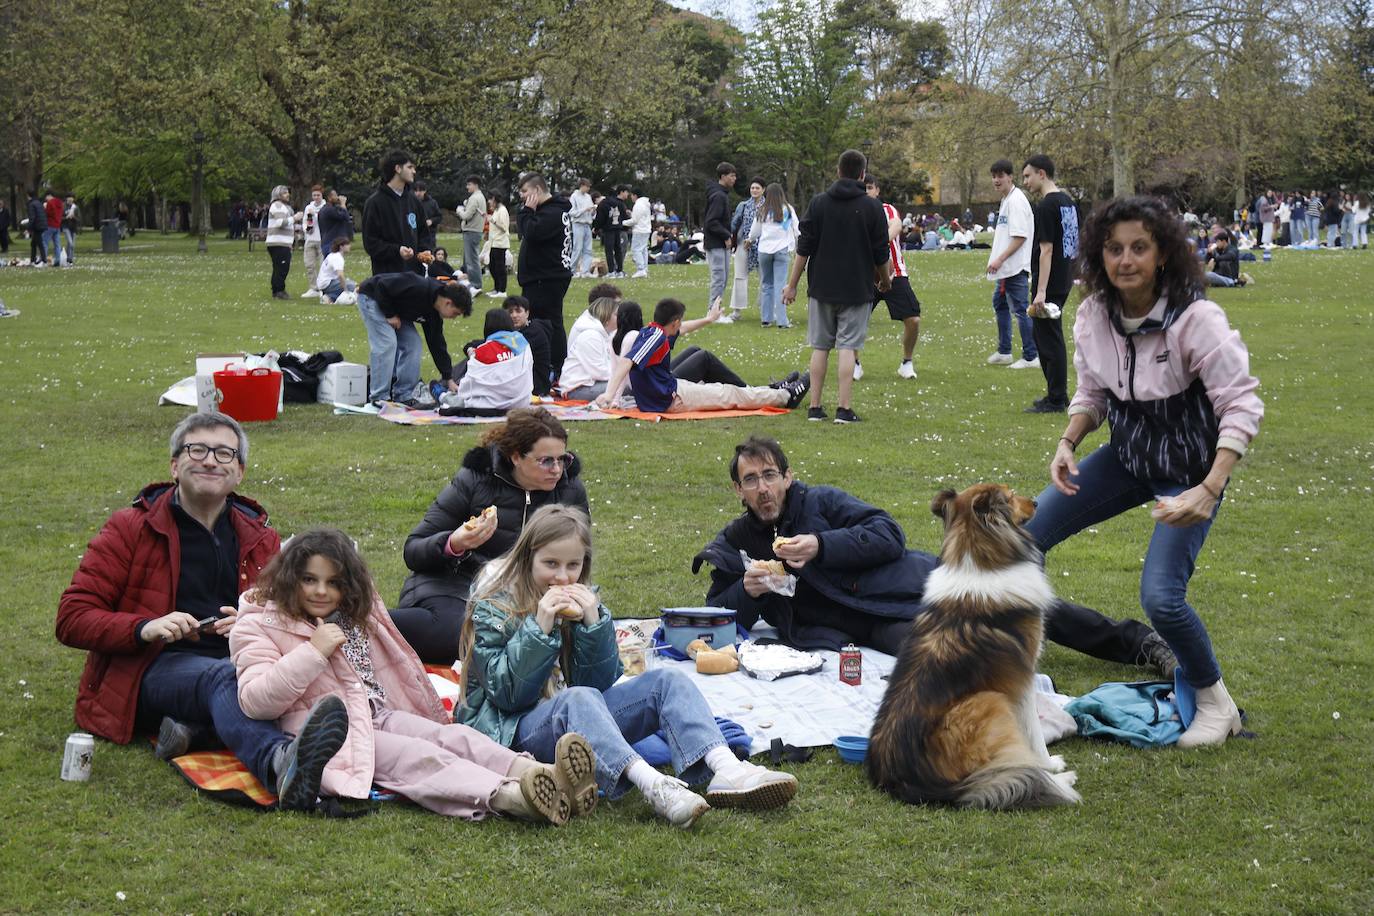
(754, 481)
(197, 451)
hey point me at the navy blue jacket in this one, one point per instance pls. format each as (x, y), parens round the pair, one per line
(863, 564)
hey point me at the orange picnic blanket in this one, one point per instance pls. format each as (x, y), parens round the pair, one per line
(221, 774)
(684, 414)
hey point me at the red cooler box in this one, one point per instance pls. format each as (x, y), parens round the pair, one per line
(249, 394)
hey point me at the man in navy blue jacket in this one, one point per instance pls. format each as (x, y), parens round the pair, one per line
(856, 580)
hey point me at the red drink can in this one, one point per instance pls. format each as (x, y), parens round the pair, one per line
(851, 665)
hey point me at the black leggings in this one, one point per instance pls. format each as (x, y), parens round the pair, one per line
(432, 631)
(697, 365)
(498, 268)
(281, 266)
(1054, 360)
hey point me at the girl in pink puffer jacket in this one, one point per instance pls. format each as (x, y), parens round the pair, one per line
(312, 627)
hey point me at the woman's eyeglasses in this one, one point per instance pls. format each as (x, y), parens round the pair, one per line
(549, 462)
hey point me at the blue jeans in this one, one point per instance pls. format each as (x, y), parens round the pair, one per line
(394, 353)
(582, 247)
(203, 690)
(1331, 230)
(51, 242)
(611, 721)
(772, 278)
(1361, 234)
(69, 242)
(1106, 490)
(1012, 295)
(718, 262)
(1215, 279)
(1314, 228)
(335, 289)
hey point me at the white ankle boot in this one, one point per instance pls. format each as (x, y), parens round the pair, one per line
(1215, 720)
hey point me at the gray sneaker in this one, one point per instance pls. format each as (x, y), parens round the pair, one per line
(1155, 652)
(301, 763)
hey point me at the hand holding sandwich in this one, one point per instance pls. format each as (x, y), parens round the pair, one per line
(475, 532)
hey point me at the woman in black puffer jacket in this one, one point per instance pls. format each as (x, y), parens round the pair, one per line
(521, 465)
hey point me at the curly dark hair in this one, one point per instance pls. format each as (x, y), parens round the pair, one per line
(1180, 275)
(280, 581)
(524, 427)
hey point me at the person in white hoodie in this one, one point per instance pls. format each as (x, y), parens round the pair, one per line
(640, 225)
(281, 235)
(587, 369)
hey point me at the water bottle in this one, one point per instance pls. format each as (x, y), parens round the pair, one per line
(1268, 255)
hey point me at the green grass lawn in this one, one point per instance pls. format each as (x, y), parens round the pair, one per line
(1281, 823)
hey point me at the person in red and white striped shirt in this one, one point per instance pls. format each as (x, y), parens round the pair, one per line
(902, 304)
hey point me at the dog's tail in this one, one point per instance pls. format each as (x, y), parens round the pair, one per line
(1001, 788)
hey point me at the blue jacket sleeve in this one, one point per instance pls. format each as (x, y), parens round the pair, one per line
(857, 536)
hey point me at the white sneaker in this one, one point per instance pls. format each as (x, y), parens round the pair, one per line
(999, 359)
(311, 294)
(906, 370)
(726, 319)
(675, 803)
(495, 295)
(1026, 364)
(638, 274)
(858, 371)
(751, 786)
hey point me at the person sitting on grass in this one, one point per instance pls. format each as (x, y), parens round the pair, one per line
(700, 381)
(1223, 263)
(587, 370)
(390, 305)
(539, 335)
(314, 628)
(331, 282)
(497, 375)
(153, 602)
(540, 661)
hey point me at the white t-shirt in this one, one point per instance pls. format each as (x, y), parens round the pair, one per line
(332, 269)
(1014, 220)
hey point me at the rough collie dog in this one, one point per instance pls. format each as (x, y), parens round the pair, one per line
(958, 723)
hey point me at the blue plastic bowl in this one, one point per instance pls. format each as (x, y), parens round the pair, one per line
(852, 748)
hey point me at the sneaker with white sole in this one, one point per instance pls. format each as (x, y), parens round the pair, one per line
(311, 294)
(1000, 359)
(906, 370)
(726, 319)
(858, 370)
(752, 787)
(1026, 364)
(640, 274)
(675, 803)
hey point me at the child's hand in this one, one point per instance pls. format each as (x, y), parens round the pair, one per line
(326, 638)
(586, 601)
(546, 615)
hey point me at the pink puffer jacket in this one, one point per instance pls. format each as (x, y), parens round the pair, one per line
(281, 676)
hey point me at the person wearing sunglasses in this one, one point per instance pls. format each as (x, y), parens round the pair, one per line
(857, 581)
(153, 600)
(520, 465)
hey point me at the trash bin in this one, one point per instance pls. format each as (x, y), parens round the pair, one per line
(109, 236)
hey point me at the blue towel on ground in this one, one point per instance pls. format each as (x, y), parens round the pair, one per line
(654, 749)
(1142, 714)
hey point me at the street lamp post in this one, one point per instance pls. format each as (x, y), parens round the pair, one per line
(199, 192)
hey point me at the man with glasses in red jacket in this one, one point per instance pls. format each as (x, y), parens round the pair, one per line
(153, 600)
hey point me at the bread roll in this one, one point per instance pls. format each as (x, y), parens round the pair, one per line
(773, 567)
(780, 542)
(710, 662)
(569, 613)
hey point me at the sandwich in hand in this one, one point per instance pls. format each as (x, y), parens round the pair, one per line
(472, 523)
(773, 567)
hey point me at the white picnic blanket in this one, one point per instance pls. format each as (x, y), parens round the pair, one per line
(812, 710)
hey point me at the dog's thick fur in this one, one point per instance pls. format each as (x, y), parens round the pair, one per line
(958, 723)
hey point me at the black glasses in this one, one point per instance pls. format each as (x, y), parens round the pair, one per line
(549, 462)
(754, 481)
(197, 451)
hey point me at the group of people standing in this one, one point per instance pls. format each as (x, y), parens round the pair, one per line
(1295, 218)
(51, 223)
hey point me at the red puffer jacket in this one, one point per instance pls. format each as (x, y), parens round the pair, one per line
(128, 575)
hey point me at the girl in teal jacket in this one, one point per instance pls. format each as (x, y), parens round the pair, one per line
(540, 660)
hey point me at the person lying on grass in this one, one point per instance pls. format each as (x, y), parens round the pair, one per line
(699, 381)
(314, 631)
(540, 660)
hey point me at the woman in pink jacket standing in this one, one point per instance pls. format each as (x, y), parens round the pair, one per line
(314, 627)
(1161, 365)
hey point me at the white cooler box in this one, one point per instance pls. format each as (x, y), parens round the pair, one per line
(343, 383)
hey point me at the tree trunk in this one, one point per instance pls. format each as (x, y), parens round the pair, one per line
(1123, 172)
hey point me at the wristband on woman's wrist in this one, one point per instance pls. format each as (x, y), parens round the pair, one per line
(1073, 446)
(1209, 490)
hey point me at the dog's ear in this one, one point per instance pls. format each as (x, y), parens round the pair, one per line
(941, 502)
(989, 500)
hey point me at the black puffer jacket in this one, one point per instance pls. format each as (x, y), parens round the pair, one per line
(486, 478)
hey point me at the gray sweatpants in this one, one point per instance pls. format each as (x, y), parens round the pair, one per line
(718, 260)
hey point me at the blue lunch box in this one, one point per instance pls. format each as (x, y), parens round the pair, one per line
(713, 625)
